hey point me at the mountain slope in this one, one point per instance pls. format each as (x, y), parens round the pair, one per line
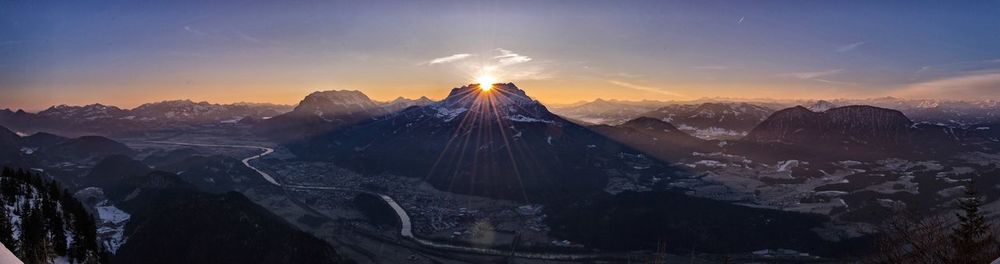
(499, 143)
(713, 120)
(852, 132)
(224, 228)
(40, 221)
(607, 112)
(318, 113)
(655, 137)
(87, 147)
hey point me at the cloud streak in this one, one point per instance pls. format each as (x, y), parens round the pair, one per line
(449, 59)
(646, 88)
(710, 67)
(508, 57)
(195, 31)
(850, 47)
(967, 87)
(811, 75)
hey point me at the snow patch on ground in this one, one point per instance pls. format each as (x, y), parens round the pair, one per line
(522, 118)
(711, 133)
(111, 229)
(447, 114)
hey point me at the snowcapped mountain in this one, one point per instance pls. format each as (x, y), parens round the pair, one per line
(610, 112)
(821, 106)
(713, 120)
(105, 120)
(497, 143)
(401, 103)
(189, 111)
(82, 113)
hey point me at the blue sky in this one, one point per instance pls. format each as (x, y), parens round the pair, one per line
(129, 52)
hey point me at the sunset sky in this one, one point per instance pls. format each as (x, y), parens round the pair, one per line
(130, 52)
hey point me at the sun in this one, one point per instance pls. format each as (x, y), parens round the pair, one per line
(486, 82)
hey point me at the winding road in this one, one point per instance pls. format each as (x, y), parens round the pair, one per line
(406, 226)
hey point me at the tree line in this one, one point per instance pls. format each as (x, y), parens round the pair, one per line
(968, 238)
(40, 220)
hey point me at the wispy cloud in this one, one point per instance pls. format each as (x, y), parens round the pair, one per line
(810, 75)
(966, 87)
(850, 47)
(449, 59)
(646, 88)
(249, 38)
(195, 31)
(508, 57)
(960, 67)
(710, 67)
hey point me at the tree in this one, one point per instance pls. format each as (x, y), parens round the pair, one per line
(911, 238)
(34, 242)
(972, 239)
(7, 230)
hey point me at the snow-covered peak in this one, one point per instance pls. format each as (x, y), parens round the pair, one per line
(821, 106)
(504, 100)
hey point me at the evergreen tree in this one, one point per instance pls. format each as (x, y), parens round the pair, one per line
(7, 230)
(34, 242)
(973, 241)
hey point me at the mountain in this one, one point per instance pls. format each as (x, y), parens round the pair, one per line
(107, 120)
(713, 120)
(214, 173)
(609, 112)
(42, 140)
(497, 143)
(821, 106)
(655, 137)
(87, 147)
(115, 168)
(41, 222)
(401, 103)
(320, 112)
(855, 132)
(8, 138)
(82, 113)
(189, 111)
(959, 114)
(185, 227)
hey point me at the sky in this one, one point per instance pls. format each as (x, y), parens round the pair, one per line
(126, 53)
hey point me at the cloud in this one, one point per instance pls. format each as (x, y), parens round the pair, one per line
(966, 87)
(508, 57)
(646, 88)
(449, 59)
(850, 47)
(249, 38)
(195, 31)
(710, 67)
(972, 66)
(811, 75)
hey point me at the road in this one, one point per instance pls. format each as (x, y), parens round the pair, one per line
(406, 226)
